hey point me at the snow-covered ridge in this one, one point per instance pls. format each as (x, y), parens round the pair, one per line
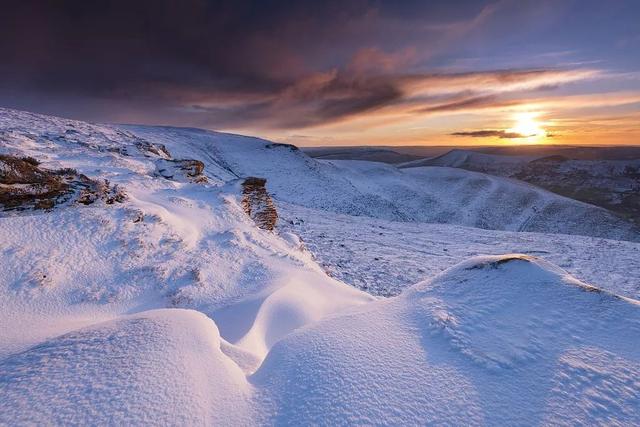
(173, 307)
(611, 184)
(432, 194)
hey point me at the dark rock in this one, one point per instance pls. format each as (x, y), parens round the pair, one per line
(181, 170)
(257, 203)
(291, 147)
(26, 186)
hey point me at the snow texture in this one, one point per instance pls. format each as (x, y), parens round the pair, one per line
(384, 257)
(174, 308)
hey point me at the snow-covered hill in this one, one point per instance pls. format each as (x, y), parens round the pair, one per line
(472, 160)
(371, 154)
(172, 242)
(168, 305)
(611, 184)
(382, 191)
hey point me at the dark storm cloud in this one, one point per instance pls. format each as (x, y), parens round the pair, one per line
(225, 58)
(339, 94)
(312, 100)
(223, 64)
(491, 133)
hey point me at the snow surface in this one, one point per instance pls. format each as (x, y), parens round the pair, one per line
(495, 340)
(173, 308)
(384, 257)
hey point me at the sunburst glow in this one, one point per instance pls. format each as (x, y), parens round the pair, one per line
(528, 126)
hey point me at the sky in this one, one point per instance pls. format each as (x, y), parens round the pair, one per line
(347, 72)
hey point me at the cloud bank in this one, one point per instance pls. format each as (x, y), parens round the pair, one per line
(278, 66)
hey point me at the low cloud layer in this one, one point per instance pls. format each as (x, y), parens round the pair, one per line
(491, 133)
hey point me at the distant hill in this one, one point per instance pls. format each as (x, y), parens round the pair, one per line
(371, 154)
(611, 184)
(472, 160)
(393, 154)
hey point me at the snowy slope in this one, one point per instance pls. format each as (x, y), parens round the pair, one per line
(171, 243)
(611, 184)
(384, 257)
(382, 191)
(171, 307)
(454, 196)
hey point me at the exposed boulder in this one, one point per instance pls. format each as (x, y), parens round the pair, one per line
(92, 191)
(257, 203)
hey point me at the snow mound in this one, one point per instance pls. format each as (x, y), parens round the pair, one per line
(524, 301)
(508, 340)
(161, 367)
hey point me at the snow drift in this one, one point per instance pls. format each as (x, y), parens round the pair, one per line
(496, 340)
(157, 367)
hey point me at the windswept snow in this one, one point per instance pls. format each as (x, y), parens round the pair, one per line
(384, 257)
(174, 308)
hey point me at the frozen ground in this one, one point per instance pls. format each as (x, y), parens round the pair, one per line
(384, 257)
(172, 308)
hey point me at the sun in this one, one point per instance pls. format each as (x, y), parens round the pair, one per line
(527, 126)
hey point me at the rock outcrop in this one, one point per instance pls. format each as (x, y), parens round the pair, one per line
(257, 203)
(181, 170)
(24, 185)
